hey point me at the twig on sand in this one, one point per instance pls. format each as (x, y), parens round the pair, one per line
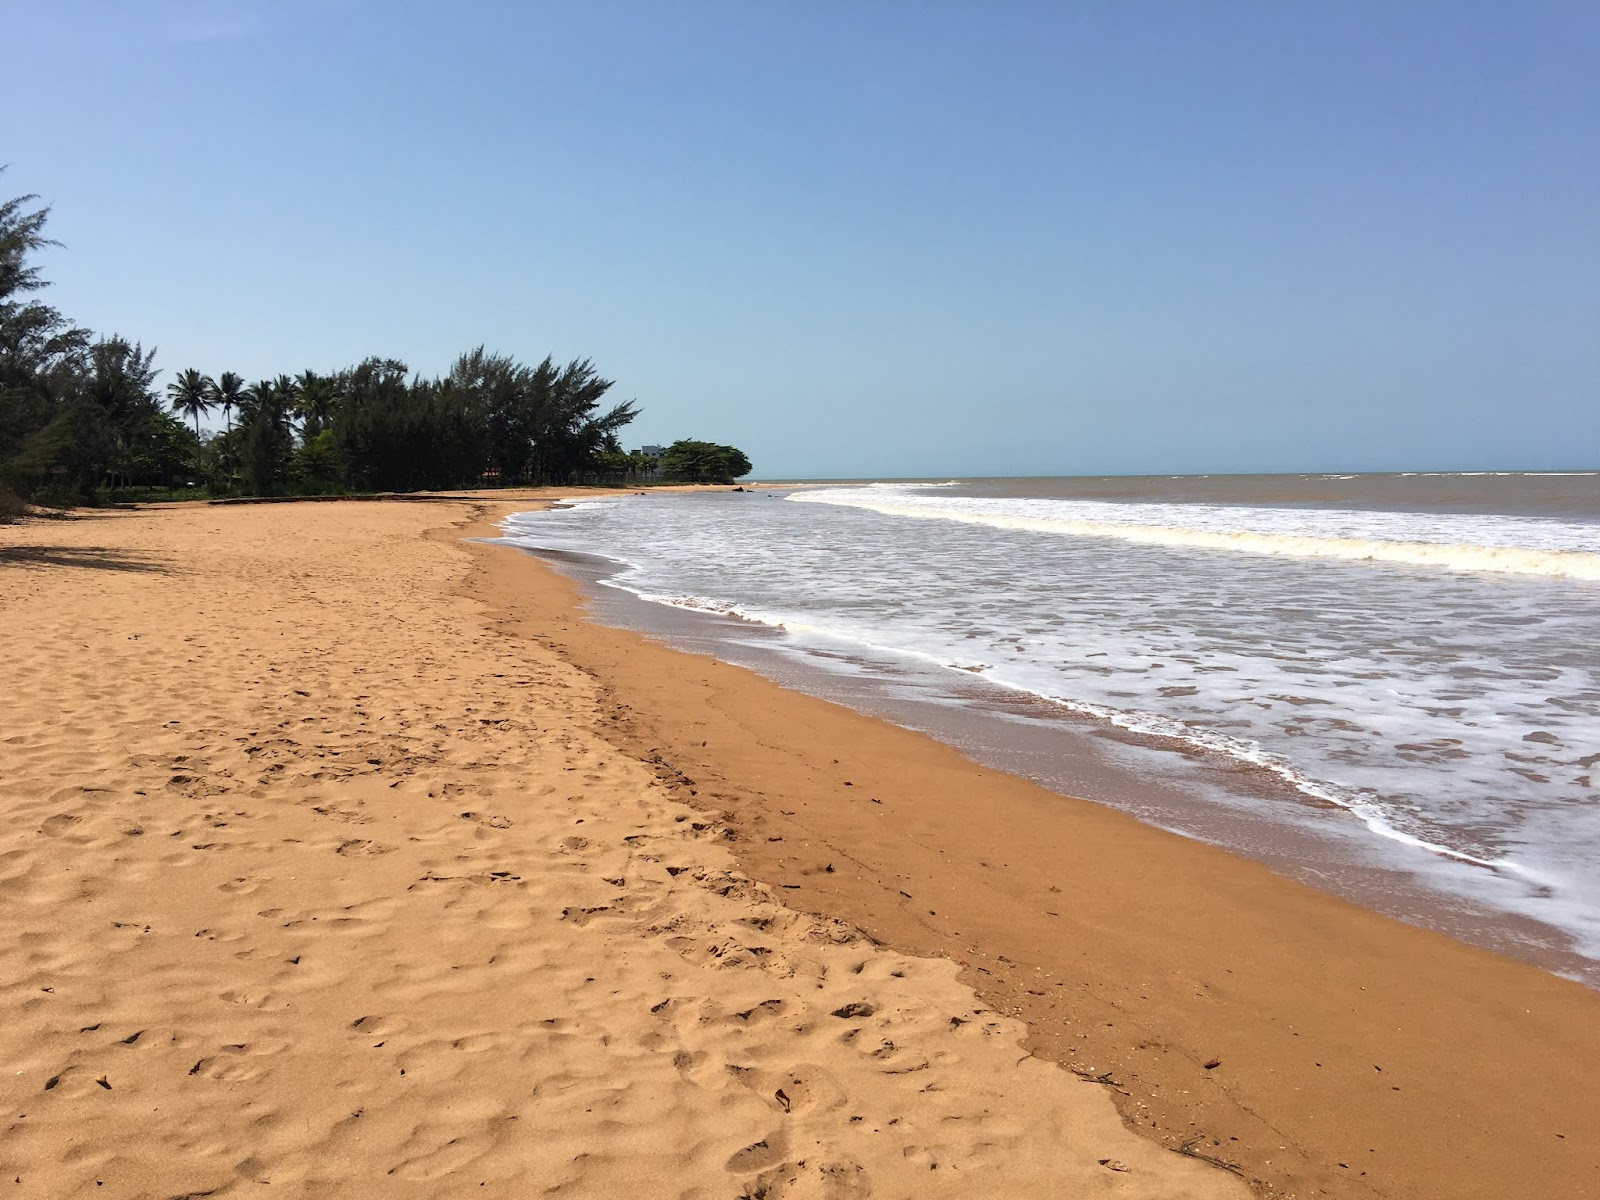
(1188, 1151)
(1105, 1077)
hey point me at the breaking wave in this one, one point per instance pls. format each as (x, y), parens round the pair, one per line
(1345, 535)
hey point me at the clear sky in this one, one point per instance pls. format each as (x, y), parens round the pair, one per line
(916, 238)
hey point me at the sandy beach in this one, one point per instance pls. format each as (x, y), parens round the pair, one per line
(339, 853)
(316, 877)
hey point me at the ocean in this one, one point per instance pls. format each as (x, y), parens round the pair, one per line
(1387, 686)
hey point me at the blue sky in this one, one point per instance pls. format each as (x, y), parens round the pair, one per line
(863, 238)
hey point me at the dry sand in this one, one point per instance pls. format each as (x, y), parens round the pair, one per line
(318, 878)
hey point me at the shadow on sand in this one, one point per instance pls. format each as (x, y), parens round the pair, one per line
(100, 558)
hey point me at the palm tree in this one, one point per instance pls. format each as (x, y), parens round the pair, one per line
(271, 398)
(191, 395)
(228, 394)
(259, 395)
(287, 389)
(316, 401)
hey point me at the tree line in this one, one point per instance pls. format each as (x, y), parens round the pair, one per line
(81, 415)
(377, 426)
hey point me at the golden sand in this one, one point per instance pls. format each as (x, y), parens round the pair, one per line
(1355, 1056)
(318, 877)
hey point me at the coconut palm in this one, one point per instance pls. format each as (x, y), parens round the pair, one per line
(316, 399)
(287, 390)
(273, 399)
(190, 394)
(259, 396)
(228, 394)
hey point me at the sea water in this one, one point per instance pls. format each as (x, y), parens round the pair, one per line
(1413, 661)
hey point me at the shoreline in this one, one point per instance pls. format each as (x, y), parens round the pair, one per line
(1344, 1037)
(1236, 805)
(357, 853)
(315, 876)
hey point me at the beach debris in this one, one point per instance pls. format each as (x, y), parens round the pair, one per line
(104, 1082)
(1188, 1151)
(1096, 1076)
(782, 1099)
(1211, 1063)
(1114, 1164)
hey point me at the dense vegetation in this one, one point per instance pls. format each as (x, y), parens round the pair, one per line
(81, 416)
(703, 462)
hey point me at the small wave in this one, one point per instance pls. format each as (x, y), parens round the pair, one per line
(1144, 724)
(702, 604)
(1517, 560)
(1494, 474)
(1370, 815)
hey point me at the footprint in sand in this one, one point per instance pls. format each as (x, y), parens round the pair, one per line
(826, 1181)
(767, 1010)
(805, 1087)
(225, 1070)
(772, 1149)
(582, 916)
(362, 848)
(444, 1160)
(248, 999)
(60, 825)
(492, 820)
(380, 1026)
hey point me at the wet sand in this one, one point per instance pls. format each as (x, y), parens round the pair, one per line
(1355, 1056)
(1165, 782)
(324, 871)
(340, 854)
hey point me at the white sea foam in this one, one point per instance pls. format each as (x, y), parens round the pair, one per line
(1458, 542)
(1455, 713)
(1148, 724)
